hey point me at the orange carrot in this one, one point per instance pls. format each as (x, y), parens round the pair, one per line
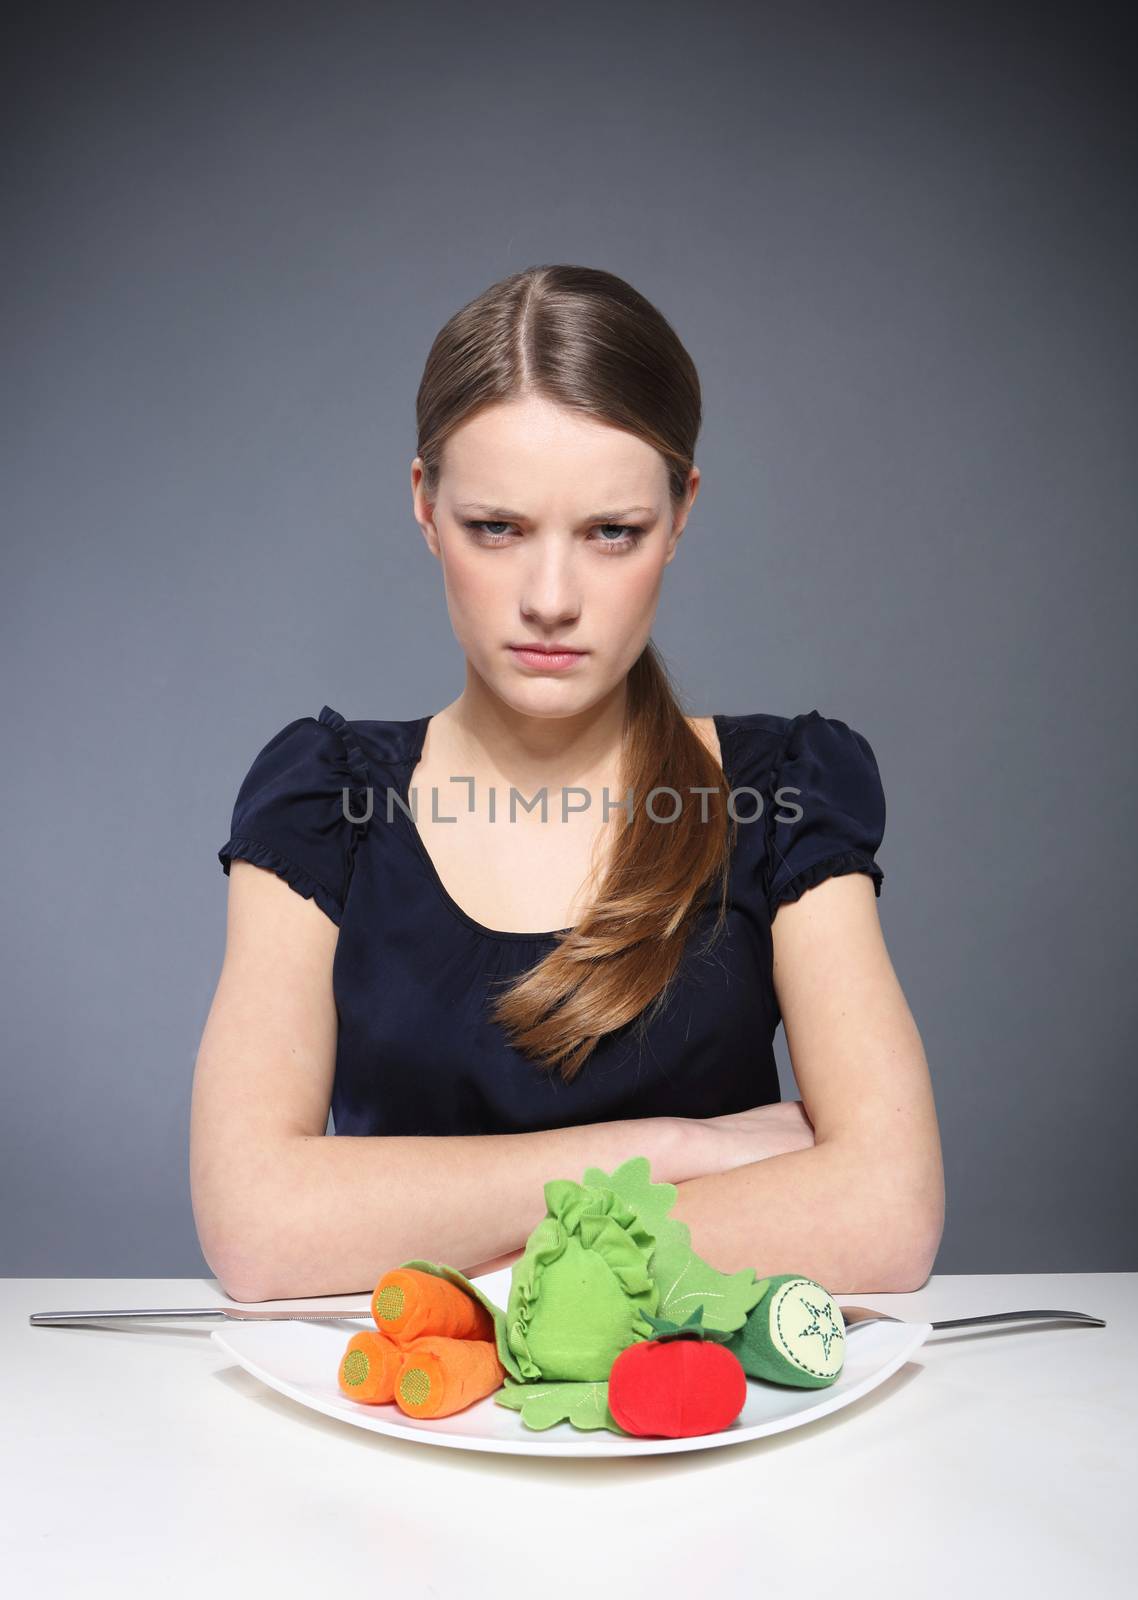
(408, 1302)
(369, 1368)
(439, 1376)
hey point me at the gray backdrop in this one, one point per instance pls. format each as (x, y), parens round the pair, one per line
(898, 241)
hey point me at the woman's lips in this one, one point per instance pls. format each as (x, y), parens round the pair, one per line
(547, 660)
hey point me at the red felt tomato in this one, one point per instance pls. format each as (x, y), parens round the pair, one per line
(676, 1388)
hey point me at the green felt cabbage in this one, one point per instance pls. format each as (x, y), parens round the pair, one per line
(577, 1292)
(684, 1279)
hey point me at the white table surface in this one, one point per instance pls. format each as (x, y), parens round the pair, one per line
(999, 1461)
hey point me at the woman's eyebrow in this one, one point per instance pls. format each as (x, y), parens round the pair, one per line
(504, 514)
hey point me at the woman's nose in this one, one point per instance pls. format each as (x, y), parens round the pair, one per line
(551, 594)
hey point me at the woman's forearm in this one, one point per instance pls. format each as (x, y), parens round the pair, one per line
(784, 1213)
(803, 1210)
(807, 1211)
(330, 1213)
(717, 1144)
(325, 1215)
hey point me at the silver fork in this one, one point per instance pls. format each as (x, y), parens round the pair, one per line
(856, 1317)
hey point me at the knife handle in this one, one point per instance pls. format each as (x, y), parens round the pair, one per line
(62, 1318)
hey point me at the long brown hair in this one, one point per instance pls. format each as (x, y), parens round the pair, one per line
(588, 340)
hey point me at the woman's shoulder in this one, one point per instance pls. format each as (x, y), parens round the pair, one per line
(289, 813)
(382, 741)
(744, 733)
(744, 743)
(823, 798)
(767, 741)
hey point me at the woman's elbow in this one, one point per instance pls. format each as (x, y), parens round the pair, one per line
(918, 1212)
(238, 1263)
(910, 1263)
(913, 1272)
(239, 1249)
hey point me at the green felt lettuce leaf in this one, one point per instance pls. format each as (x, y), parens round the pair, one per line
(453, 1275)
(683, 1279)
(543, 1405)
(577, 1290)
(632, 1180)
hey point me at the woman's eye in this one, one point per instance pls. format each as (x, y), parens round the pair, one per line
(630, 535)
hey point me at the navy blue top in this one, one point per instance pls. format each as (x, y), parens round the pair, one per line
(413, 975)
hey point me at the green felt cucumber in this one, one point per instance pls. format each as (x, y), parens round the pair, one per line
(795, 1335)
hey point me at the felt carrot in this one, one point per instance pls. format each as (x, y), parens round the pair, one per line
(439, 1376)
(408, 1302)
(369, 1367)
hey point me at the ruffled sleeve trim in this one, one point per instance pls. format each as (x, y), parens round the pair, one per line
(356, 771)
(357, 766)
(836, 866)
(263, 855)
(302, 809)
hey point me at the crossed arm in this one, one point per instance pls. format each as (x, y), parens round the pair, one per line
(863, 1209)
(860, 1209)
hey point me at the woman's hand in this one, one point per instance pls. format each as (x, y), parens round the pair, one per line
(719, 1144)
(699, 1146)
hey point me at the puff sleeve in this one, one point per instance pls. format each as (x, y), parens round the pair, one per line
(827, 771)
(289, 814)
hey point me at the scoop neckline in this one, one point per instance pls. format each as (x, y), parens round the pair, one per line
(507, 935)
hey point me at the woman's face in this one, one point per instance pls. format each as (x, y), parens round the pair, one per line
(551, 528)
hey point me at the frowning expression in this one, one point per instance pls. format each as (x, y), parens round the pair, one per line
(552, 529)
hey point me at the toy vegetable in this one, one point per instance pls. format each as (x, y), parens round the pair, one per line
(681, 1382)
(407, 1302)
(439, 1375)
(577, 1292)
(795, 1335)
(495, 1313)
(432, 1352)
(430, 1376)
(592, 1332)
(369, 1367)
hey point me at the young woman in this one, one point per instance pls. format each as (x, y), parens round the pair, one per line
(555, 925)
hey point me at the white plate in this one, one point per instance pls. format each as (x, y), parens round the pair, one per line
(302, 1359)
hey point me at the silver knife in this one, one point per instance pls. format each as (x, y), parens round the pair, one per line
(227, 1313)
(854, 1316)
